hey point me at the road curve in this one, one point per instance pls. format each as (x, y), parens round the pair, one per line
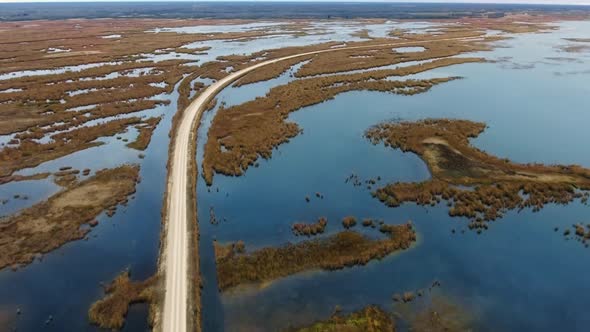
(175, 255)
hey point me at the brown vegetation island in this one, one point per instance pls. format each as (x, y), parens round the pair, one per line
(435, 312)
(348, 222)
(236, 267)
(581, 233)
(146, 130)
(66, 177)
(369, 319)
(307, 229)
(431, 312)
(110, 312)
(48, 225)
(475, 184)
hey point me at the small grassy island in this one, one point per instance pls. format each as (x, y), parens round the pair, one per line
(110, 312)
(429, 312)
(369, 319)
(475, 184)
(48, 225)
(236, 267)
(310, 229)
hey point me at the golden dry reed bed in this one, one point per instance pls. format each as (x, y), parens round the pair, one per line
(436, 312)
(48, 225)
(475, 184)
(369, 319)
(348, 248)
(115, 83)
(429, 312)
(110, 312)
(146, 130)
(310, 229)
(31, 153)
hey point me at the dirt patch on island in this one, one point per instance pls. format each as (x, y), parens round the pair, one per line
(70, 54)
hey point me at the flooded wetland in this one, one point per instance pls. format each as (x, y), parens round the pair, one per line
(368, 175)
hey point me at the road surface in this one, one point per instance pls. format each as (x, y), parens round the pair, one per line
(176, 249)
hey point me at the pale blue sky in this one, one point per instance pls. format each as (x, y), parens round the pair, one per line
(560, 2)
(556, 2)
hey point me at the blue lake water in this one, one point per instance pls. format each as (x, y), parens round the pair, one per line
(518, 275)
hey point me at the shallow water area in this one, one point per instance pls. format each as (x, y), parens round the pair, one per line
(54, 71)
(318, 32)
(220, 28)
(409, 49)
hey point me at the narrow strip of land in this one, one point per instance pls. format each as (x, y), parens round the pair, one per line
(175, 252)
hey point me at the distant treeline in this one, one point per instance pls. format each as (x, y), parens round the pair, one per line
(265, 10)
